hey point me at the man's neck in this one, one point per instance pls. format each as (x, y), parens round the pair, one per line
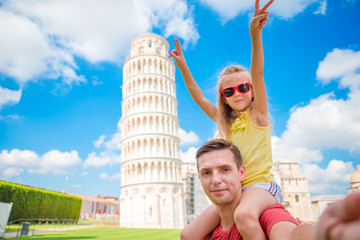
(226, 213)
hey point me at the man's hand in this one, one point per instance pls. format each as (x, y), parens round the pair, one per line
(341, 220)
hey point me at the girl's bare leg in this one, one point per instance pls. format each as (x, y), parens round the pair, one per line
(253, 203)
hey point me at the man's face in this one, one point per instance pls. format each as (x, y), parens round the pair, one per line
(220, 177)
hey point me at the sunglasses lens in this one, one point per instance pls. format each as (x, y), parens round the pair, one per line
(244, 88)
(228, 92)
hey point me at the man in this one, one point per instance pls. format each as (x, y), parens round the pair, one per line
(221, 172)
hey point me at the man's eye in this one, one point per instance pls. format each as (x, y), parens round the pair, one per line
(206, 173)
(226, 169)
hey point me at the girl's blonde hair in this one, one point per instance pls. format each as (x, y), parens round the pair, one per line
(225, 114)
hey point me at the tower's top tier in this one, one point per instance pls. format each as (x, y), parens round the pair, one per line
(149, 44)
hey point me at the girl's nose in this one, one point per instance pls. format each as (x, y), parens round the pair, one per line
(237, 92)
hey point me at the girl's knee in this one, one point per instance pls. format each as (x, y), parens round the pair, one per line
(245, 216)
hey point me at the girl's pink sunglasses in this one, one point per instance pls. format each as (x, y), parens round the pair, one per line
(241, 88)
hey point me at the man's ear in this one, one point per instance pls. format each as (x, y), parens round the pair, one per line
(242, 172)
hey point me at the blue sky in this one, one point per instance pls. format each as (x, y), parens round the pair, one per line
(61, 76)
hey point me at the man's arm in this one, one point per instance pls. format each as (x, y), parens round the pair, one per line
(290, 231)
(278, 224)
(340, 220)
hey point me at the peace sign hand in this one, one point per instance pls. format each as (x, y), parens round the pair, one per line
(259, 18)
(178, 55)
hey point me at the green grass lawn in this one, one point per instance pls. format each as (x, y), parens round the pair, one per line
(108, 233)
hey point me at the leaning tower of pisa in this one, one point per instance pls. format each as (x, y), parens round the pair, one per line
(151, 194)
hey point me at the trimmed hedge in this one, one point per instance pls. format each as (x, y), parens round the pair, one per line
(30, 202)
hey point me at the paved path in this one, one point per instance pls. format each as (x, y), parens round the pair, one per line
(59, 229)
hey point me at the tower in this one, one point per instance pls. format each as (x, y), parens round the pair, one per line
(355, 181)
(294, 187)
(151, 194)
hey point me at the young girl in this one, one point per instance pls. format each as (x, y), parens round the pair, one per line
(242, 118)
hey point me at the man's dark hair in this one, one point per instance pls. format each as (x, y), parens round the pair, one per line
(216, 145)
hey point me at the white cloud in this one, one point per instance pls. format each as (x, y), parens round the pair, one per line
(189, 155)
(229, 9)
(10, 116)
(313, 173)
(104, 176)
(115, 142)
(287, 9)
(326, 122)
(41, 38)
(101, 160)
(188, 137)
(96, 81)
(339, 171)
(8, 96)
(336, 176)
(99, 142)
(322, 8)
(343, 64)
(18, 158)
(54, 161)
(282, 149)
(57, 162)
(11, 172)
(114, 177)
(173, 15)
(27, 52)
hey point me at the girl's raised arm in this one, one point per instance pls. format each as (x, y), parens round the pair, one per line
(257, 23)
(190, 83)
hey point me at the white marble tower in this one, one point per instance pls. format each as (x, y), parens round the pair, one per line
(151, 194)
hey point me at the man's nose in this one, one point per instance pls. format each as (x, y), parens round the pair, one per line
(216, 179)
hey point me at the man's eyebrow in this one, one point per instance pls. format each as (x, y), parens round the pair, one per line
(221, 166)
(225, 166)
(205, 169)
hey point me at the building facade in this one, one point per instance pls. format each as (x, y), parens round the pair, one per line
(321, 202)
(355, 181)
(99, 207)
(151, 194)
(195, 198)
(295, 189)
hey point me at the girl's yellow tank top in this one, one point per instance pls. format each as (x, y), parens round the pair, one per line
(254, 143)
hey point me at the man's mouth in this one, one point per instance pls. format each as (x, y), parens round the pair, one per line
(218, 190)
